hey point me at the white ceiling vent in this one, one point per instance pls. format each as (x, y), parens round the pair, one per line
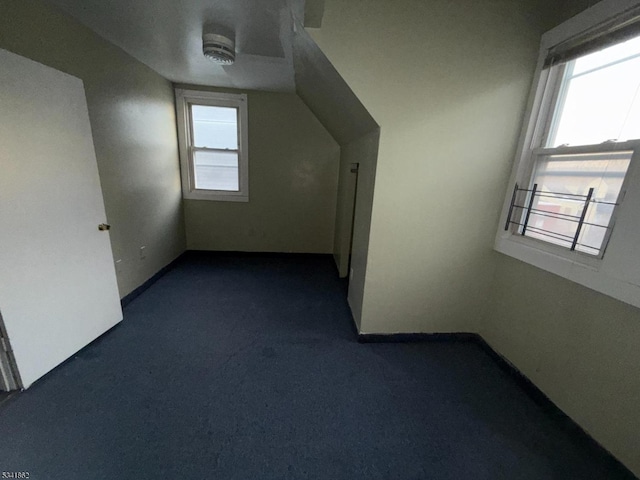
(218, 48)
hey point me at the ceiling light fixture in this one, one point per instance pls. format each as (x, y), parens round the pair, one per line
(218, 48)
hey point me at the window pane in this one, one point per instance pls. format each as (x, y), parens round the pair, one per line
(215, 127)
(216, 171)
(601, 98)
(563, 184)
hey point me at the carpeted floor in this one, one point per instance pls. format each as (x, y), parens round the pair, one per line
(247, 367)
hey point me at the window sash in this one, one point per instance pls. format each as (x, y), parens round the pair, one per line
(192, 141)
(193, 149)
(604, 147)
(192, 168)
(209, 149)
(535, 157)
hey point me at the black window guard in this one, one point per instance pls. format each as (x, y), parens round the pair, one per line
(528, 209)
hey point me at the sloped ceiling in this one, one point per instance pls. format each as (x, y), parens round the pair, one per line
(166, 36)
(274, 51)
(325, 92)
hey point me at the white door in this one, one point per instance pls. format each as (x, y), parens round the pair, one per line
(58, 287)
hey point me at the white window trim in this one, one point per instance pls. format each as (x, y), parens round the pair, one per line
(183, 99)
(617, 273)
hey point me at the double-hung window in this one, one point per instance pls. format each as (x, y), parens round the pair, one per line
(578, 152)
(212, 131)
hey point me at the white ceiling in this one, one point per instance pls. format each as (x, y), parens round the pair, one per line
(166, 36)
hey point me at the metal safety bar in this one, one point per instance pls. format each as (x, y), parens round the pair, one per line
(527, 208)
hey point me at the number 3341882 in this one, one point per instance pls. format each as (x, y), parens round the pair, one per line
(15, 474)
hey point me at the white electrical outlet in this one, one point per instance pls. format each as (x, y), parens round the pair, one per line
(119, 265)
(143, 252)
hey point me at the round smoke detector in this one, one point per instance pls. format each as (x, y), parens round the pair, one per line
(218, 48)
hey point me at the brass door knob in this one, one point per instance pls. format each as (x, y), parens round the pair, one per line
(103, 227)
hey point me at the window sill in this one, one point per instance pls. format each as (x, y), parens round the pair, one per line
(589, 272)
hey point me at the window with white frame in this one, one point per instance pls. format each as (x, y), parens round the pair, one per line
(574, 191)
(212, 131)
(587, 132)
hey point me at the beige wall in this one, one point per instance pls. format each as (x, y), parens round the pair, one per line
(132, 115)
(447, 83)
(293, 181)
(579, 346)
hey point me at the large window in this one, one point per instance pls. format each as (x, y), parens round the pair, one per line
(589, 128)
(213, 145)
(574, 191)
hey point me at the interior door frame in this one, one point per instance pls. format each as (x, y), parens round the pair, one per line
(354, 170)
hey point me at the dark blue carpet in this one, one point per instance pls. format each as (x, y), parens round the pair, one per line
(247, 367)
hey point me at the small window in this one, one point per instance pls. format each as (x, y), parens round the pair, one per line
(212, 129)
(587, 133)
